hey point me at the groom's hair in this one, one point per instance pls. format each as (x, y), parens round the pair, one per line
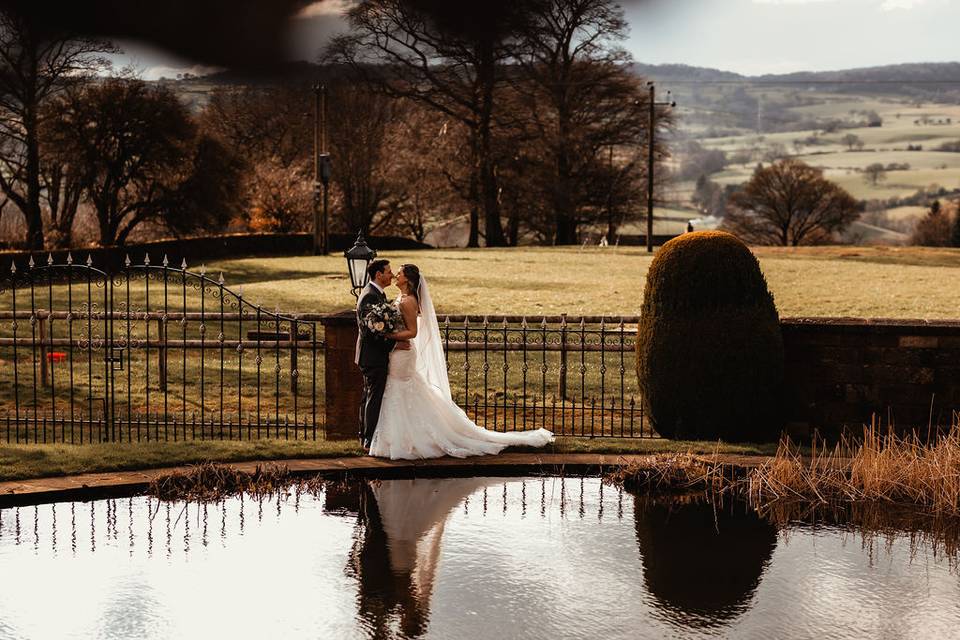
(376, 267)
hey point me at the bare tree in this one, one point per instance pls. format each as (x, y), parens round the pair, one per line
(852, 141)
(278, 198)
(423, 172)
(449, 59)
(363, 140)
(790, 203)
(133, 141)
(581, 103)
(62, 176)
(874, 173)
(262, 122)
(35, 64)
(933, 229)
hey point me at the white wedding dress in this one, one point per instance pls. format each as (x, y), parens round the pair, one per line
(418, 417)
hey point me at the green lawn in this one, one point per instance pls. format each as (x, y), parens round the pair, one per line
(19, 462)
(892, 282)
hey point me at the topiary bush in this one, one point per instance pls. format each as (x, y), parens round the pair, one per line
(709, 347)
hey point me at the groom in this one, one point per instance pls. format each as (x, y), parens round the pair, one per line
(373, 351)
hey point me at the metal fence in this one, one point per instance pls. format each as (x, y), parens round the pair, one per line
(152, 352)
(158, 352)
(572, 375)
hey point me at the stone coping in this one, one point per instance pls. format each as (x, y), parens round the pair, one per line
(89, 486)
(872, 325)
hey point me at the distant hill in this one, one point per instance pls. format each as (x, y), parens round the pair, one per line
(940, 80)
(683, 72)
(918, 77)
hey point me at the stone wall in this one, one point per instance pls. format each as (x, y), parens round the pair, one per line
(841, 372)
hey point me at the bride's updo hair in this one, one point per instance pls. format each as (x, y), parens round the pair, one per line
(412, 274)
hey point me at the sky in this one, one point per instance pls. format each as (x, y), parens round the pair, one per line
(746, 36)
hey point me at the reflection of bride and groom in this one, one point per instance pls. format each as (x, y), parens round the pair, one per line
(701, 566)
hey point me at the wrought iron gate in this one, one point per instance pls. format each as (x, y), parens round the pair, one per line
(148, 352)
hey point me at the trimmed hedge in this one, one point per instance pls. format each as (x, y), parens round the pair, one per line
(709, 348)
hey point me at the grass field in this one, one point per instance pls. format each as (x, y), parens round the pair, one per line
(891, 282)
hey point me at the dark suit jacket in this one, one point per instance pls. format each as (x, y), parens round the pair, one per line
(372, 350)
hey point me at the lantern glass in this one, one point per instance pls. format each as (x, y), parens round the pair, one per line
(358, 272)
(359, 256)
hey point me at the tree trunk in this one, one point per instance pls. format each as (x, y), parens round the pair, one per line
(104, 224)
(564, 214)
(489, 191)
(474, 192)
(34, 219)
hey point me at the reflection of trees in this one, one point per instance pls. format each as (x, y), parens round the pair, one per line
(396, 546)
(701, 564)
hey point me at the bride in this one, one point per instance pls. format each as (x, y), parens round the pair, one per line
(418, 417)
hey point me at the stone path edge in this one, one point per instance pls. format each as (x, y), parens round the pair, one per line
(112, 484)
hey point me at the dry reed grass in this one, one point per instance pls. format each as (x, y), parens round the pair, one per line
(678, 473)
(882, 468)
(209, 482)
(881, 487)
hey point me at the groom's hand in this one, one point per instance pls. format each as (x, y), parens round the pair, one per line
(402, 345)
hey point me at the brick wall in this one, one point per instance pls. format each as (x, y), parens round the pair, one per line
(841, 371)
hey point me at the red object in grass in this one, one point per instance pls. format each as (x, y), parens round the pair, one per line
(56, 356)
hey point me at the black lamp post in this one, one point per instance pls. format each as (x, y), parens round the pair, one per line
(321, 172)
(359, 257)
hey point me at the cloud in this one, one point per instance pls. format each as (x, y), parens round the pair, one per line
(884, 5)
(892, 5)
(326, 8)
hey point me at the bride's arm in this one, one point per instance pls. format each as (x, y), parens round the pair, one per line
(408, 307)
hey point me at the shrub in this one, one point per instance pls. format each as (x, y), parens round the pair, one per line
(709, 347)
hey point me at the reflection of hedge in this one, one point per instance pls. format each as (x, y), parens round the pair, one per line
(709, 349)
(701, 565)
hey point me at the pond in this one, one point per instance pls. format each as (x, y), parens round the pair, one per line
(459, 558)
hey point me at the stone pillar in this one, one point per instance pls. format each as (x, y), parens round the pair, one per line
(342, 377)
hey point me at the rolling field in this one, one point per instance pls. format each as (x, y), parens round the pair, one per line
(904, 123)
(892, 282)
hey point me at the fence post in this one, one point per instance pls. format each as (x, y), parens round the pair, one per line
(343, 380)
(162, 353)
(562, 380)
(42, 323)
(294, 336)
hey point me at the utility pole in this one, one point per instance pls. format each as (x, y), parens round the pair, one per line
(650, 157)
(321, 172)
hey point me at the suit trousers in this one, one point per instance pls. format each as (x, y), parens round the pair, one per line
(374, 383)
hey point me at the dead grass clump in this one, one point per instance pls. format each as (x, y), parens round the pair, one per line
(883, 468)
(209, 482)
(676, 473)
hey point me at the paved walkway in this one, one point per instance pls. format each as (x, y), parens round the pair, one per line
(95, 485)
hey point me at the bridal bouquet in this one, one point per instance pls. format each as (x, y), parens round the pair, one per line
(383, 319)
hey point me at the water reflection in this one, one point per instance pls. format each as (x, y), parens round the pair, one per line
(397, 544)
(701, 564)
(471, 557)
